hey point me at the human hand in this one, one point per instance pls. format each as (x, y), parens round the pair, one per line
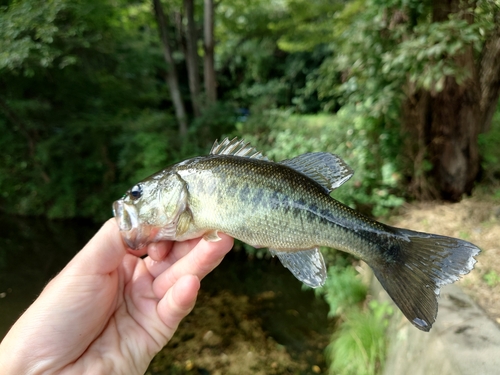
(108, 311)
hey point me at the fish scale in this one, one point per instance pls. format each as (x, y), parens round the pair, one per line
(287, 207)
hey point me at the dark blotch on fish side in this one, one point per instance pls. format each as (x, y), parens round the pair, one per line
(258, 197)
(244, 193)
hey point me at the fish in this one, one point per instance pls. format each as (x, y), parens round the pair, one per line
(287, 207)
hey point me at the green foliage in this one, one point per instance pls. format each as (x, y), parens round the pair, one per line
(215, 122)
(358, 347)
(491, 278)
(381, 47)
(85, 113)
(343, 289)
(145, 144)
(429, 56)
(36, 35)
(307, 24)
(490, 152)
(255, 72)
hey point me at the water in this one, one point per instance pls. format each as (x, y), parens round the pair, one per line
(32, 251)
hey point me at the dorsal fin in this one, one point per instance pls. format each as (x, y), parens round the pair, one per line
(329, 170)
(236, 147)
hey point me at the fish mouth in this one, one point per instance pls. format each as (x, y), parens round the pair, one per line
(127, 218)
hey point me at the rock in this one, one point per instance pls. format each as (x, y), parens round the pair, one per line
(211, 339)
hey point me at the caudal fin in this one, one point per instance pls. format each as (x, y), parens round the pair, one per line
(415, 268)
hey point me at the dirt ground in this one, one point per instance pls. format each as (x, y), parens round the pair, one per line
(475, 219)
(220, 338)
(225, 333)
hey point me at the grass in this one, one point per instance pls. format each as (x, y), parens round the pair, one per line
(491, 278)
(358, 346)
(343, 289)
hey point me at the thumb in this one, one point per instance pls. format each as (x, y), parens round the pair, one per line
(103, 253)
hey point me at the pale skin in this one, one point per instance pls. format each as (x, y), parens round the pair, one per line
(109, 311)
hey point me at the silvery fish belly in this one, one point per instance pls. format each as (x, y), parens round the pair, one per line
(287, 208)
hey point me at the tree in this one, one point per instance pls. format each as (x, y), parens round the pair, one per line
(171, 76)
(187, 41)
(192, 57)
(447, 119)
(209, 44)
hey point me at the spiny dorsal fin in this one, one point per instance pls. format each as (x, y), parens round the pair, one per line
(236, 147)
(329, 170)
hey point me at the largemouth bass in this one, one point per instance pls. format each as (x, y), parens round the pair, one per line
(287, 208)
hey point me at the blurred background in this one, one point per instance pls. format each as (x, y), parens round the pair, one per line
(96, 95)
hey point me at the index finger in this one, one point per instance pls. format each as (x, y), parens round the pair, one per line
(201, 260)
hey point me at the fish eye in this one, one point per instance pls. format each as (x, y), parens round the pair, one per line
(136, 192)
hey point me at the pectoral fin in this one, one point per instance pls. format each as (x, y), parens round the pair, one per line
(183, 222)
(211, 236)
(306, 265)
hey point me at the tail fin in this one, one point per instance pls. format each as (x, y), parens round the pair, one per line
(415, 268)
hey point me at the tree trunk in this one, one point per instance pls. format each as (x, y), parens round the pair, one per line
(209, 44)
(415, 120)
(444, 126)
(490, 76)
(171, 78)
(192, 58)
(454, 129)
(455, 122)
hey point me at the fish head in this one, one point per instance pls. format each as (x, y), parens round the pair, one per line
(150, 210)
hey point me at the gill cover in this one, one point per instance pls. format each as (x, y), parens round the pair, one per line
(173, 195)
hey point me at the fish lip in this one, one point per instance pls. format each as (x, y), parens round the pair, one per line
(127, 217)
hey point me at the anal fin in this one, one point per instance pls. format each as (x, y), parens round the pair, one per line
(306, 265)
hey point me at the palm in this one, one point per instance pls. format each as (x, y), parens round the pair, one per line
(119, 311)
